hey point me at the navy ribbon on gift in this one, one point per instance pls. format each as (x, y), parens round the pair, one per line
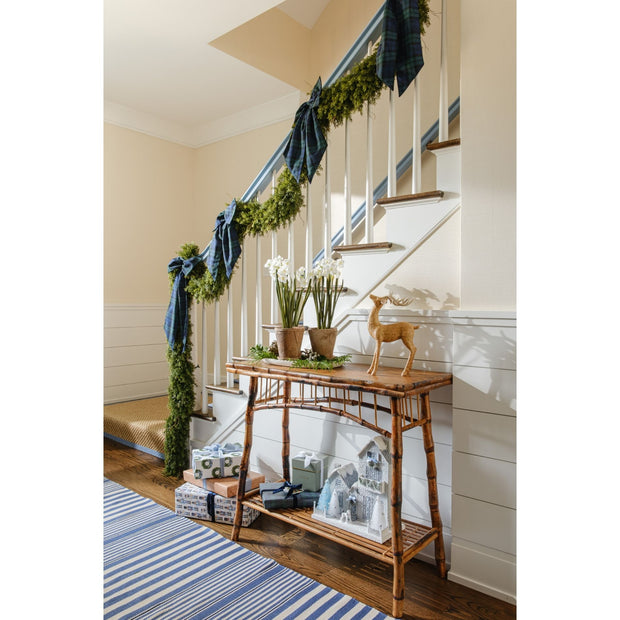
(224, 246)
(287, 485)
(211, 505)
(400, 51)
(306, 143)
(177, 317)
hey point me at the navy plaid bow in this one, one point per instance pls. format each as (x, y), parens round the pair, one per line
(225, 243)
(306, 142)
(400, 51)
(177, 318)
(287, 485)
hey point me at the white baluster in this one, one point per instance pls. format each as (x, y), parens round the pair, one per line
(443, 75)
(259, 292)
(230, 380)
(203, 363)
(243, 345)
(327, 211)
(309, 255)
(416, 162)
(274, 253)
(216, 343)
(370, 199)
(347, 183)
(291, 247)
(391, 189)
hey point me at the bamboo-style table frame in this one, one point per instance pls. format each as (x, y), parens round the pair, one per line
(350, 392)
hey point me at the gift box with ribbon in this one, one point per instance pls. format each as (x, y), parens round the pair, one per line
(286, 495)
(224, 486)
(309, 470)
(216, 461)
(196, 503)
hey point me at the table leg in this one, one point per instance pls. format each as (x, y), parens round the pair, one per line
(431, 476)
(286, 442)
(245, 459)
(398, 586)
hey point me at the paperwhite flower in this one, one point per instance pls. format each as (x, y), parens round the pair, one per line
(303, 276)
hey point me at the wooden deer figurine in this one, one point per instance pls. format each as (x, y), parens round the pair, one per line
(390, 332)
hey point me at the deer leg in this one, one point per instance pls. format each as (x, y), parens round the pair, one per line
(375, 359)
(412, 350)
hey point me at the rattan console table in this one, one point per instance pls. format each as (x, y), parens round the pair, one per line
(352, 393)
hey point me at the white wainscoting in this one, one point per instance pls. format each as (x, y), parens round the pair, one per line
(135, 363)
(484, 453)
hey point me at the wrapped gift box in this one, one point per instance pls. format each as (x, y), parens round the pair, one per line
(192, 501)
(309, 470)
(284, 495)
(216, 461)
(226, 487)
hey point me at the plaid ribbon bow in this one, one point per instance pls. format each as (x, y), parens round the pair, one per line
(177, 318)
(225, 243)
(292, 488)
(306, 141)
(400, 51)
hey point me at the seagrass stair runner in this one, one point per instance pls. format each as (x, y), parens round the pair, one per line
(139, 424)
(158, 564)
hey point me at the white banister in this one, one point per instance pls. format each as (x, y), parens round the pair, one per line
(416, 162)
(309, 252)
(229, 336)
(391, 176)
(347, 183)
(243, 344)
(443, 75)
(216, 343)
(327, 210)
(203, 364)
(274, 253)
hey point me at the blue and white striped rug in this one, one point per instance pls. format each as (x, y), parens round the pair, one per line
(158, 564)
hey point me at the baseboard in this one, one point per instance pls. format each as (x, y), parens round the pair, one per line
(481, 587)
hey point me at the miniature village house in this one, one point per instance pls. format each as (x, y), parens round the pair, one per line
(356, 499)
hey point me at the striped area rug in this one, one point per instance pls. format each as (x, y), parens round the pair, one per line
(158, 564)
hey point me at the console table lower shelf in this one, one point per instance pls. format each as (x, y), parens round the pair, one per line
(415, 536)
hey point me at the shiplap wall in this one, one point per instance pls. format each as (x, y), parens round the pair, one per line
(135, 363)
(484, 508)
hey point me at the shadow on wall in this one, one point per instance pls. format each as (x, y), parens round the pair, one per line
(422, 298)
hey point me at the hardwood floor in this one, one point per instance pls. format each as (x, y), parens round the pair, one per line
(427, 596)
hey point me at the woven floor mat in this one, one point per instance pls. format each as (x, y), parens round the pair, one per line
(139, 422)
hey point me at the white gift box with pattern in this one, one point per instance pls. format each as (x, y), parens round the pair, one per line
(196, 503)
(217, 461)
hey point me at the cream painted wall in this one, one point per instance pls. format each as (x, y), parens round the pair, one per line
(148, 213)
(488, 130)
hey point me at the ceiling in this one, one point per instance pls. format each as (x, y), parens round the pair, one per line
(162, 77)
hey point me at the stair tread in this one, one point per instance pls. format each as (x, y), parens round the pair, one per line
(408, 197)
(433, 146)
(222, 387)
(381, 245)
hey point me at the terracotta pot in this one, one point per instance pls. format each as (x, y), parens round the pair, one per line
(323, 341)
(289, 342)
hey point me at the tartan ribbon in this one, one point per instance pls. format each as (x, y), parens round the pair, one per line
(306, 143)
(400, 51)
(177, 317)
(225, 243)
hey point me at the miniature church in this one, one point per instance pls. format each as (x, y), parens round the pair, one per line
(357, 498)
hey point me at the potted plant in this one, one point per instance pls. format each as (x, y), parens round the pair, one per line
(292, 292)
(326, 287)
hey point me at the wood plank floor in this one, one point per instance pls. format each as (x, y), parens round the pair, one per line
(427, 596)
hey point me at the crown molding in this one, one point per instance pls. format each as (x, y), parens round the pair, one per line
(262, 115)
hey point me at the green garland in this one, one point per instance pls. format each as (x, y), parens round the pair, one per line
(347, 96)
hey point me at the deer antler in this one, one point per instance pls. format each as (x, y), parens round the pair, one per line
(399, 302)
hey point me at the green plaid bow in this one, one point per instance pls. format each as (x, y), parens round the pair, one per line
(306, 143)
(225, 243)
(400, 51)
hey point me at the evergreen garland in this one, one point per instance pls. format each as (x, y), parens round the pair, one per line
(338, 102)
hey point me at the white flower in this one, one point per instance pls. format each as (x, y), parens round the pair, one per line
(282, 272)
(277, 267)
(303, 276)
